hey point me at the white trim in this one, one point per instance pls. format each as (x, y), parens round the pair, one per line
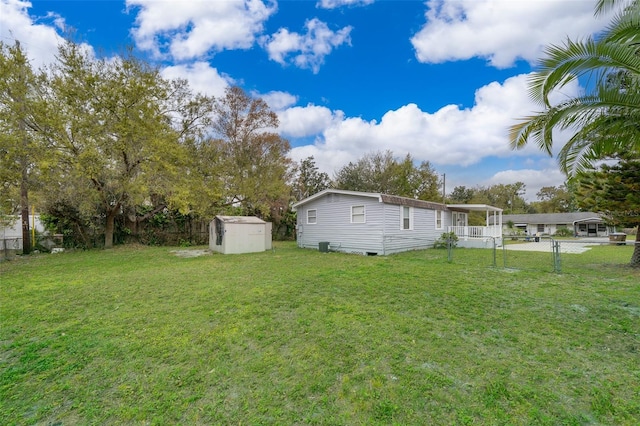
(402, 218)
(320, 194)
(439, 215)
(315, 217)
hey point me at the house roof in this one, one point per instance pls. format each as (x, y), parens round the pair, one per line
(240, 219)
(552, 218)
(404, 201)
(397, 200)
(475, 207)
(335, 191)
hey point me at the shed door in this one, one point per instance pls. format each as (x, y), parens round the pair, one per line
(219, 231)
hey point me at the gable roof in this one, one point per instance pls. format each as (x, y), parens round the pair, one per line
(397, 200)
(336, 191)
(551, 218)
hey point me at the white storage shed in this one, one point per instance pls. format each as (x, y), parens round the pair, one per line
(239, 234)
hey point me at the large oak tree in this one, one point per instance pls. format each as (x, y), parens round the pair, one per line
(109, 126)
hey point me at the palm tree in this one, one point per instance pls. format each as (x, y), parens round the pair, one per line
(605, 120)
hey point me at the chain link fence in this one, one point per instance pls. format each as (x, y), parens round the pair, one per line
(546, 254)
(9, 247)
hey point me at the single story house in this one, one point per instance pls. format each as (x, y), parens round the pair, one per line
(379, 224)
(582, 224)
(239, 234)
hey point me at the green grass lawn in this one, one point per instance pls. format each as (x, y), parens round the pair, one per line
(137, 335)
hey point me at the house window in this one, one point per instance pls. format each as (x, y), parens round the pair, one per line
(406, 216)
(357, 214)
(541, 227)
(312, 216)
(439, 224)
(582, 227)
(602, 227)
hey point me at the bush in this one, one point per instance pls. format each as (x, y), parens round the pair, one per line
(445, 239)
(563, 232)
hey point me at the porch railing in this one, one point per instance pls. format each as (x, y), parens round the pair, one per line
(470, 232)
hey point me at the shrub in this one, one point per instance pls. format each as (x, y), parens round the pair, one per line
(446, 239)
(563, 232)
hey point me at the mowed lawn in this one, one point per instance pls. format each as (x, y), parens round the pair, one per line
(138, 335)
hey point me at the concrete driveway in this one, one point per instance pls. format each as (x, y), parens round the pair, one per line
(566, 246)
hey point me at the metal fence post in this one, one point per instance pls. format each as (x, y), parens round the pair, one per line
(556, 257)
(449, 249)
(494, 252)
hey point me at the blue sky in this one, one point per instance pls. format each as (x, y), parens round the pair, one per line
(442, 79)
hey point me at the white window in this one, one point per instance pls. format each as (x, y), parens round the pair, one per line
(439, 224)
(406, 216)
(312, 216)
(357, 214)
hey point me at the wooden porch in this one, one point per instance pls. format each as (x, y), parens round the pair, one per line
(472, 232)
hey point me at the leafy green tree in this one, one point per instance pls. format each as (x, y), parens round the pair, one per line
(109, 127)
(19, 144)
(614, 191)
(506, 196)
(308, 179)
(250, 158)
(604, 120)
(461, 195)
(381, 172)
(554, 199)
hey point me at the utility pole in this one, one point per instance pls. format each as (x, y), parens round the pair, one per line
(444, 180)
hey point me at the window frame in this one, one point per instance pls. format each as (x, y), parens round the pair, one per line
(363, 214)
(409, 218)
(439, 219)
(315, 217)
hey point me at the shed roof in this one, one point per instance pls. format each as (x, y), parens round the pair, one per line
(240, 219)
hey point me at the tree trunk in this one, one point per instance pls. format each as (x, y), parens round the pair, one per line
(635, 257)
(110, 225)
(24, 216)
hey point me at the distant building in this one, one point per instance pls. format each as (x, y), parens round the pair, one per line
(11, 234)
(582, 224)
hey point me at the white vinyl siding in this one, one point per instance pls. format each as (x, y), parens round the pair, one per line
(312, 217)
(358, 214)
(406, 216)
(380, 233)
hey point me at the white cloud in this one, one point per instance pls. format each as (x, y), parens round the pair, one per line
(278, 100)
(306, 121)
(534, 179)
(305, 50)
(334, 4)
(201, 77)
(191, 29)
(502, 31)
(39, 40)
(450, 136)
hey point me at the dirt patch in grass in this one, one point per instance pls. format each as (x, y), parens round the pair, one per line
(190, 253)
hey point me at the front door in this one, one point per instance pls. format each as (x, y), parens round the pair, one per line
(592, 229)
